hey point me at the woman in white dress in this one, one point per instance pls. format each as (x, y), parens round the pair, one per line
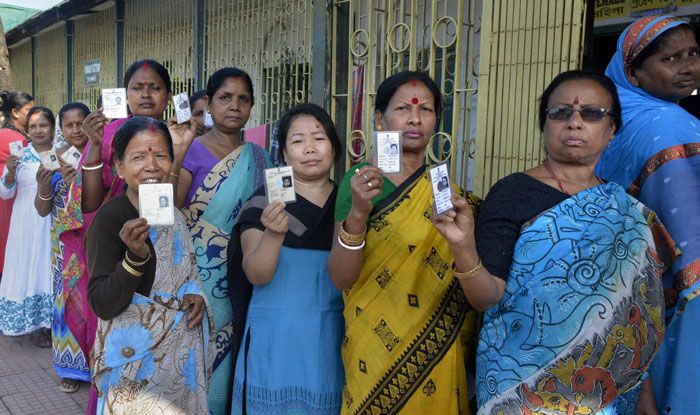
(25, 290)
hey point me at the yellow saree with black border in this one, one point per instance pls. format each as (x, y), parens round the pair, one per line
(409, 328)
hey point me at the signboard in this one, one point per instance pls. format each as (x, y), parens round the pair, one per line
(641, 8)
(623, 12)
(609, 9)
(92, 72)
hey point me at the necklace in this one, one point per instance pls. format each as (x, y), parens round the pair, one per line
(559, 183)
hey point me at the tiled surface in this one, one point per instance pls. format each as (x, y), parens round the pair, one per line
(29, 385)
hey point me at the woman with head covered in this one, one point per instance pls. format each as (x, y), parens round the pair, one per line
(656, 157)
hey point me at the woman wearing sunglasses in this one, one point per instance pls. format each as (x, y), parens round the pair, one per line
(565, 267)
(656, 157)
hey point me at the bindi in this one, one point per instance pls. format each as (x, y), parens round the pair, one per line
(144, 66)
(414, 100)
(576, 101)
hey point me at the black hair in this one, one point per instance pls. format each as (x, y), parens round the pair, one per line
(197, 96)
(72, 106)
(577, 75)
(13, 100)
(319, 114)
(46, 112)
(217, 79)
(135, 125)
(390, 85)
(658, 43)
(150, 63)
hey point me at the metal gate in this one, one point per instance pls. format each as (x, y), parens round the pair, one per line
(376, 38)
(524, 46)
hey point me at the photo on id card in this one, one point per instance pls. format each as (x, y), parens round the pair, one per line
(386, 151)
(279, 184)
(49, 160)
(156, 203)
(442, 191)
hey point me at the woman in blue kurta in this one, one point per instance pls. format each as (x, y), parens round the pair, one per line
(656, 157)
(289, 359)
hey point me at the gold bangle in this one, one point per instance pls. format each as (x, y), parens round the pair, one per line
(131, 270)
(467, 275)
(177, 176)
(136, 263)
(352, 239)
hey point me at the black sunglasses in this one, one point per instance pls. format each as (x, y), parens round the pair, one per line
(588, 114)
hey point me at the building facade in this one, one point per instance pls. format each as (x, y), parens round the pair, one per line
(495, 55)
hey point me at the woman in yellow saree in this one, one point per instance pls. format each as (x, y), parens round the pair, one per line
(409, 328)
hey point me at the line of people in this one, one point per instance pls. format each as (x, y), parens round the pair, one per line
(567, 290)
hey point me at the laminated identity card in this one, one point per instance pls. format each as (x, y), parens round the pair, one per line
(72, 157)
(114, 103)
(208, 120)
(49, 160)
(16, 149)
(386, 151)
(279, 184)
(442, 192)
(182, 107)
(156, 203)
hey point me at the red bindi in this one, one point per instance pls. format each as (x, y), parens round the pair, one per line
(144, 66)
(414, 82)
(414, 100)
(150, 149)
(576, 100)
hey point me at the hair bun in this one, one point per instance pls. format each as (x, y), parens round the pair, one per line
(4, 94)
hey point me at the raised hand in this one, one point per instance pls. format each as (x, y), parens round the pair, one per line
(134, 234)
(275, 219)
(94, 125)
(43, 180)
(456, 225)
(68, 173)
(12, 163)
(365, 184)
(182, 134)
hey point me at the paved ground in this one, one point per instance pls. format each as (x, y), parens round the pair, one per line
(28, 382)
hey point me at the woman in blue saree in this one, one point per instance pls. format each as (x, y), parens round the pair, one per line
(656, 157)
(218, 173)
(567, 269)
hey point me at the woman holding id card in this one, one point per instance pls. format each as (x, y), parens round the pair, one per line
(289, 361)
(26, 289)
(407, 319)
(152, 350)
